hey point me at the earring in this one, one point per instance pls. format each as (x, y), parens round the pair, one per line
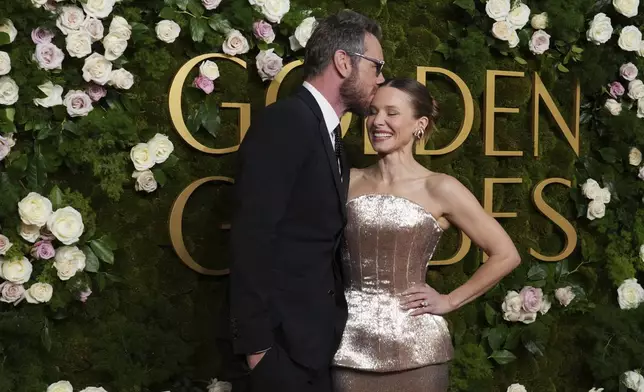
(419, 133)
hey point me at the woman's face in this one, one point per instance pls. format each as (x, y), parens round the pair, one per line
(391, 122)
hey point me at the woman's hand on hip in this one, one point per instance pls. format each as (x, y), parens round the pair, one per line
(424, 299)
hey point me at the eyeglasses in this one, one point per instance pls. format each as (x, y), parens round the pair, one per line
(379, 63)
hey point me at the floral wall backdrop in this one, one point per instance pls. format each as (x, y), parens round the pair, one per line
(92, 294)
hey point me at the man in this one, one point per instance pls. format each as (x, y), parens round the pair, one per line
(287, 305)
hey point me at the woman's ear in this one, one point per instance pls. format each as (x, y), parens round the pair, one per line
(422, 123)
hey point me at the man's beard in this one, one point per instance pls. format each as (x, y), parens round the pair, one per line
(352, 97)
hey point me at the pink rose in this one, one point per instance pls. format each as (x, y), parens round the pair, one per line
(628, 71)
(531, 298)
(204, 84)
(49, 56)
(12, 293)
(263, 31)
(51, 6)
(210, 4)
(268, 64)
(43, 250)
(96, 92)
(83, 295)
(616, 89)
(41, 36)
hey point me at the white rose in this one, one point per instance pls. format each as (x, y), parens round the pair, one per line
(516, 388)
(514, 39)
(167, 31)
(121, 79)
(546, 304)
(641, 252)
(519, 16)
(210, 4)
(54, 95)
(70, 19)
(497, 9)
(636, 89)
(219, 386)
(93, 27)
(99, 8)
(60, 386)
(596, 210)
(268, 64)
(78, 44)
(8, 140)
(235, 43)
(628, 8)
(39, 293)
(600, 29)
(114, 46)
(121, 28)
(528, 317)
(628, 71)
(512, 306)
(633, 380)
(160, 147)
(209, 69)
(49, 56)
(29, 233)
(630, 294)
(7, 27)
(640, 108)
(539, 21)
(5, 63)
(97, 69)
(590, 189)
(4, 151)
(603, 195)
(630, 39)
(5, 244)
(66, 224)
(8, 91)
(641, 175)
(16, 271)
(94, 389)
(613, 106)
(78, 103)
(540, 42)
(303, 33)
(564, 295)
(145, 181)
(274, 10)
(35, 209)
(68, 261)
(142, 157)
(597, 390)
(502, 30)
(38, 3)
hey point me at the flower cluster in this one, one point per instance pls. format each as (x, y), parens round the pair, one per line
(525, 305)
(510, 18)
(144, 156)
(208, 73)
(616, 90)
(598, 196)
(9, 91)
(66, 386)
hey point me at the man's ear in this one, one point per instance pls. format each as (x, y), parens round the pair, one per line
(342, 63)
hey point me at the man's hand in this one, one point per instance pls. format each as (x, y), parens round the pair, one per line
(253, 359)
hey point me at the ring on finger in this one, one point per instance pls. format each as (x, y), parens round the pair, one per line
(424, 304)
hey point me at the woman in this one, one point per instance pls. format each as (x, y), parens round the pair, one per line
(396, 338)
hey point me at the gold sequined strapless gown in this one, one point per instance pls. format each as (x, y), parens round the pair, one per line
(388, 242)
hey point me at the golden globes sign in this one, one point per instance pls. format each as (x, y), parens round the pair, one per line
(539, 94)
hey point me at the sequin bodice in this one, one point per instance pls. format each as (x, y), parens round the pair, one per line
(388, 242)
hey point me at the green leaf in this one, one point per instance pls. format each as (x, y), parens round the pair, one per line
(36, 170)
(195, 119)
(520, 60)
(160, 176)
(497, 337)
(262, 45)
(19, 164)
(278, 49)
(182, 4)
(219, 24)
(60, 113)
(56, 197)
(100, 280)
(609, 154)
(114, 278)
(562, 68)
(562, 269)
(44, 133)
(490, 314)
(577, 49)
(513, 339)
(171, 161)
(534, 348)
(503, 357)
(167, 13)
(467, 5)
(537, 272)
(102, 250)
(195, 7)
(91, 261)
(211, 120)
(10, 114)
(197, 29)
(45, 338)
(4, 38)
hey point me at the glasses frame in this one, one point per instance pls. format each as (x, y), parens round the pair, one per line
(379, 63)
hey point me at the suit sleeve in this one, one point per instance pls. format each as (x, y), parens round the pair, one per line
(271, 157)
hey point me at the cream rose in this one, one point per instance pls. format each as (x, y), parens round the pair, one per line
(636, 89)
(8, 91)
(94, 28)
(514, 39)
(268, 64)
(29, 233)
(160, 147)
(630, 294)
(640, 108)
(167, 31)
(60, 386)
(16, 271)
(539, 21)
(603, 195)
(596, 210)
(219, 386)
(39, 293)
(502, 30)
(5, 244)
(142, 157)
(628, 71)
(512, 306)
(628, 8)
(35, 209)
(121, 79)
(66, 224)
(121, 28)
(68, 261)
(99, 8)
(498, 9)
(633, 380)
(114, 46)
(38, 3)
(600, 29)
(596, 390)
(516, 388)
(235, 43)
(613, 106)
(53, 93)
(630, 39)
(5, 63)
(274, 10)
(78, 103)
(209, 69)
(11, 293)
(210, 4)
(519, 16)
(70, 19)
(97, 69)
(641, 176)
(49, 56)
(145, 181)
(7, 27)
(590, 189)
(94, 389)
(302, 33)
(78, 44)
(540, 42)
